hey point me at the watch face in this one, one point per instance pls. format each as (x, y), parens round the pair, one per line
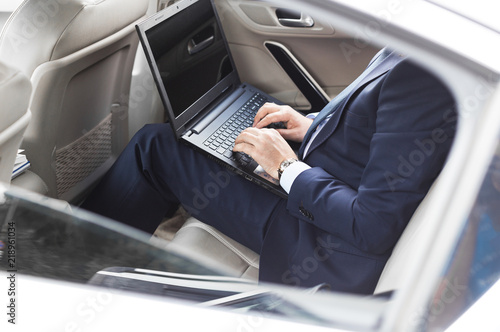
(284, 164)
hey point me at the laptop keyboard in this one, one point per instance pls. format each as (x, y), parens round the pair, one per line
(222, 140)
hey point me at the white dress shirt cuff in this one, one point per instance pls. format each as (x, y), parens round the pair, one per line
(290, 174)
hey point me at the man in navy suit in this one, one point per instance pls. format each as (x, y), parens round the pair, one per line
(364, 165)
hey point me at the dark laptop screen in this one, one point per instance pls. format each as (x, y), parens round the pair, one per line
(190, 54)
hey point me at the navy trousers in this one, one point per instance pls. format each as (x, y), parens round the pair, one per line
(155, 173)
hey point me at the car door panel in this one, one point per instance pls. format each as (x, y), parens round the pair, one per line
(319, 49)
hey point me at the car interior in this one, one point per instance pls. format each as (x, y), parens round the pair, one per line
(81, 80)
(78, 87)
(86, 103)
(15, 90)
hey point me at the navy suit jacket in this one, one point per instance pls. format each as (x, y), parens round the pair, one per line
(372, 164)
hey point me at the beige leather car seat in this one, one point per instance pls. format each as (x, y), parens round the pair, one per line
(205, 241)
(79, 56)
(407, 248)
(15, 91)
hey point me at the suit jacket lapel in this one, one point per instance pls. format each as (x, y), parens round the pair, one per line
(333, 123)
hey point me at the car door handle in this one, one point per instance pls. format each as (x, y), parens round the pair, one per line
(291, 18)
(196, 47)
(305, 21)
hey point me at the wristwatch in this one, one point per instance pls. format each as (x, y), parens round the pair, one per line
(284, 164)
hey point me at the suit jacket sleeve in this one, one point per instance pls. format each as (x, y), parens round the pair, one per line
(415, 124)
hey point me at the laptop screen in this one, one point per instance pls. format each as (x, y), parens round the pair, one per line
(185, 44)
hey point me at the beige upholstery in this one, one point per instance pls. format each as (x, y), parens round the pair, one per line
(30, 181)
(79, 56)
(205, 241)
(15, 91)
(406, 249)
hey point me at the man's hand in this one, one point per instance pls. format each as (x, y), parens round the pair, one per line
(266, 146)
(296, 124)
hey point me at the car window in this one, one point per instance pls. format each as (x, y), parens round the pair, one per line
(474, 266)
(49, 239)
(46, 238)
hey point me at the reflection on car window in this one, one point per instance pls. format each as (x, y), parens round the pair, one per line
(73, 245)
(53, 241)
(475, 264)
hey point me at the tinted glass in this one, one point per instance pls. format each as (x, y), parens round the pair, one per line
(40, 239)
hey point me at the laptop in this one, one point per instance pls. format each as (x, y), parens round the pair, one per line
(205, 102)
